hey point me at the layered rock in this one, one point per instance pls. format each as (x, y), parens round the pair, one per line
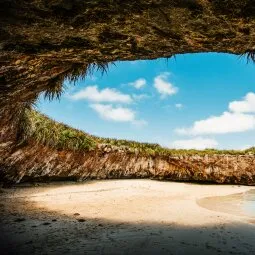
(44, 42)
(33, 162)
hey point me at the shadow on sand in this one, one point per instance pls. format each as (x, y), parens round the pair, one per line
(40, 231)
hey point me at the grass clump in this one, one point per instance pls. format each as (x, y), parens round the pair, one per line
(56, 86)
(42, 129)
(49, 132)
(154, 149)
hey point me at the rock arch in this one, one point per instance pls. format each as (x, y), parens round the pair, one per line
(43, 42)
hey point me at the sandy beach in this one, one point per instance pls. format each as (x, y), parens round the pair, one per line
(125, 217)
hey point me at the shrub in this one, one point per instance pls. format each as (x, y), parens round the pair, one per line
(42, 129)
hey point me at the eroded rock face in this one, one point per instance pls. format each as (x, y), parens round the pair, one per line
(34, 162)
(44, 42)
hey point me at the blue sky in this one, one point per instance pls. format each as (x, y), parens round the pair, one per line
(193, 101)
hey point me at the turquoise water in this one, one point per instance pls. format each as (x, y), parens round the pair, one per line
(249, 202)
(237, 204)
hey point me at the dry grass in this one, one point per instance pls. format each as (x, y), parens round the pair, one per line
(78, 71)
(42, 129)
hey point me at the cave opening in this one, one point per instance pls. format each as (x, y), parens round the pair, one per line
(161, 101)
(146, 192)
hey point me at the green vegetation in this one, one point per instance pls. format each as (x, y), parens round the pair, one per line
(156, 149)
(49, 132)
(42, 129)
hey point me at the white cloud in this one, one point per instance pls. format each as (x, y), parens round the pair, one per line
(225, 123)
(138, 84)
(233, 121)
(92, 93)
(109, 112)
(198, 143)
(118, 114)
(247, 105)
(163, 86)
(245, 147)
(178, 106)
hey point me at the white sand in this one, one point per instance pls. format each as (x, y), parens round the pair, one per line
(137, 201)
(128, 217)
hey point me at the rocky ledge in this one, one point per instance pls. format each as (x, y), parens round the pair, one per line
(35, 162)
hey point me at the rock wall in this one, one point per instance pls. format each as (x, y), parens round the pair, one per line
(42, 43)
(33, 162)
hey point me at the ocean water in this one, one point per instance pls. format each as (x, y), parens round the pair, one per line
(248, 202)
(238, 204)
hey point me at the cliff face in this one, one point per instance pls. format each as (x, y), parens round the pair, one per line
(33, 162)
(44, 42)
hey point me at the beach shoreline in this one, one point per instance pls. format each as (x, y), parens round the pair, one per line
(122, 217)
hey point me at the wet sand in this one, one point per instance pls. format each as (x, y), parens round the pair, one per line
(124, 217)
(241, 204)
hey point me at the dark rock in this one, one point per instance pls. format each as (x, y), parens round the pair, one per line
(19, 219)
(81, 220)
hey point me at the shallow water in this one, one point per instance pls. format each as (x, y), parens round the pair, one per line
(124, 217)
(242, 204)
(249, 202)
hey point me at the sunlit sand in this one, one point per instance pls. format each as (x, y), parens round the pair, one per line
(136, 201)
(125, 217)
